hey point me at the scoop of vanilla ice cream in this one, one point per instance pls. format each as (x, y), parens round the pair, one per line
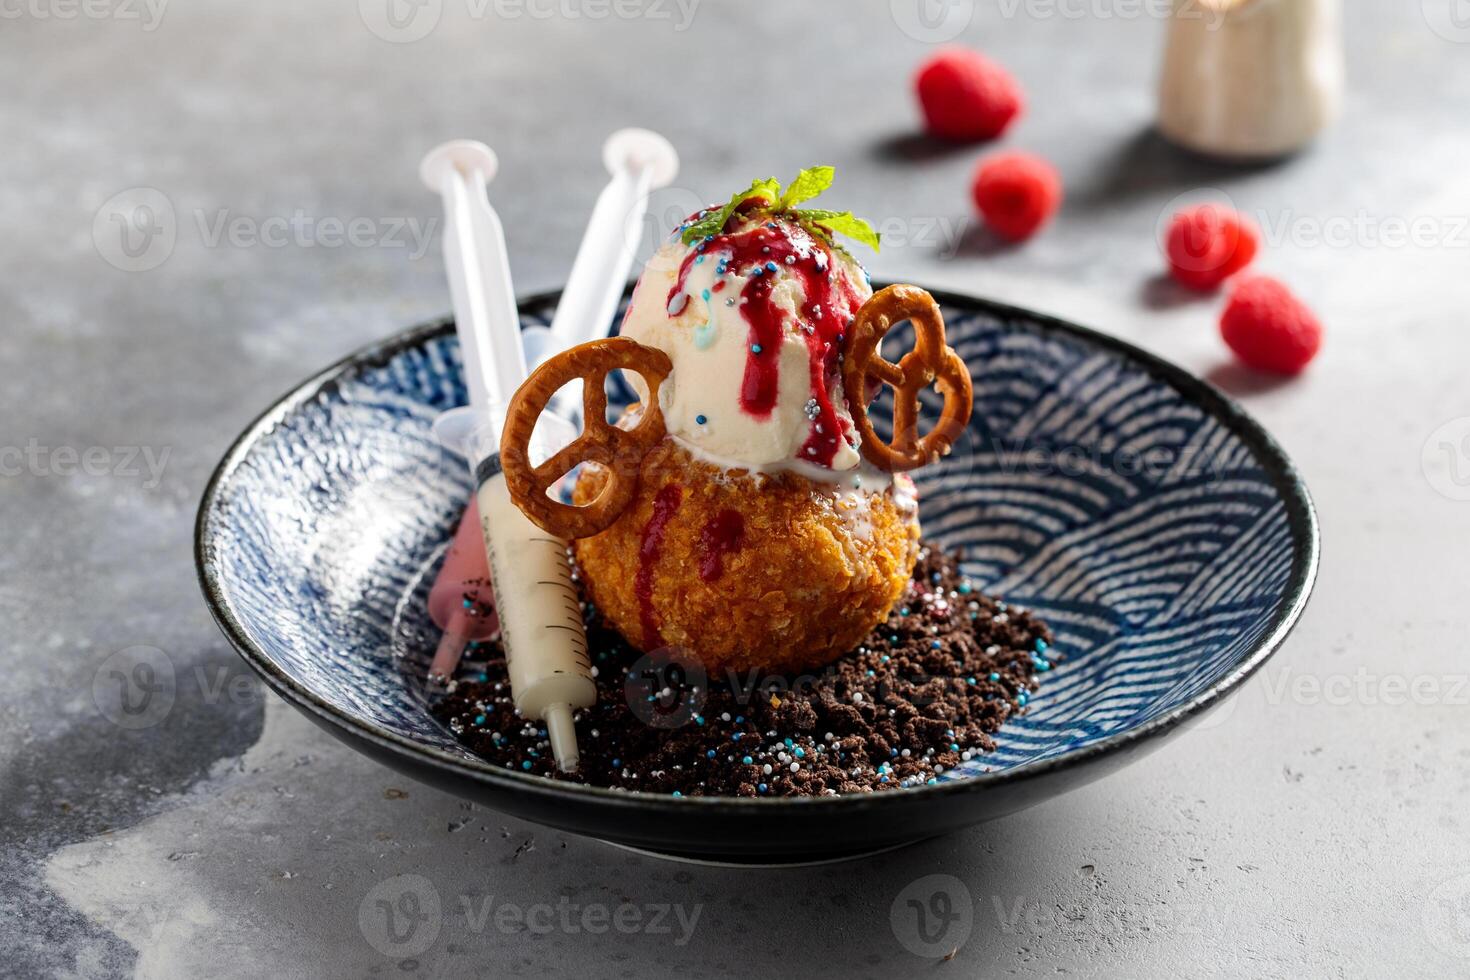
(753, 320)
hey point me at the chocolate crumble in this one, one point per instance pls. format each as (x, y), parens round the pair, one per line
(921, 695)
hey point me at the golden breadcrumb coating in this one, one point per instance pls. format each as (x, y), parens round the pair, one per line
(768, 572)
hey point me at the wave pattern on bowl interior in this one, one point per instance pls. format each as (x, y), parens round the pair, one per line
(1142, 529)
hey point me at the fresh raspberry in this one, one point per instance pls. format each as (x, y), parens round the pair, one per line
(966, 96)
(1016, 193)
(1208, 244)
(1269, 328)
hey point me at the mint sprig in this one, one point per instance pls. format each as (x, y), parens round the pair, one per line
(808, 184)
(843, 223)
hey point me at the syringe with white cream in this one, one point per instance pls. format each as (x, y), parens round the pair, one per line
(540, 616)
(638, 161)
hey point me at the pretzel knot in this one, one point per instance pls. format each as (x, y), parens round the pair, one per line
(619, 451)
(930, 363)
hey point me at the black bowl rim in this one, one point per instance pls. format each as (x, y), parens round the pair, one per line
(1301, 519)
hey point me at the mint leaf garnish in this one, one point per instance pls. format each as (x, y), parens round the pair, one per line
(843, 223)
(768, 190)
(772, 201)
(807, 185)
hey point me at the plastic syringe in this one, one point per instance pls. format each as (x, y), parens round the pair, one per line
(461, 602)
(638, 161)
(540, 615)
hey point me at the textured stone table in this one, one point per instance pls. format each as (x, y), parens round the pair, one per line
(1315, 826)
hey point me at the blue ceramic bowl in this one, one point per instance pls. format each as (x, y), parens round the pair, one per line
(1163, 535)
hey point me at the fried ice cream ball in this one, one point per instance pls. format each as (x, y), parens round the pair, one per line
(771, 572)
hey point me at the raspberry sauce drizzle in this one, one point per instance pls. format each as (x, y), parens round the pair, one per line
(763, 252)
(665, 503)
(722, 535)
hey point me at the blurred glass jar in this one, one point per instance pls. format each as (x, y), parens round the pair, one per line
(1251, 78)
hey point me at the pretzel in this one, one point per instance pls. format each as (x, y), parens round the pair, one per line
(620, 451)
(931, 362)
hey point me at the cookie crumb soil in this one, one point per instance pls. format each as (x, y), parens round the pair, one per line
(920, 695)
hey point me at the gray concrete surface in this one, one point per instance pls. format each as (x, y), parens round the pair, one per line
(1315, 826)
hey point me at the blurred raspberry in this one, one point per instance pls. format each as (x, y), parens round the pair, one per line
(1268, 328)
(1208, 244)
(966, 96)
(1016, 193)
